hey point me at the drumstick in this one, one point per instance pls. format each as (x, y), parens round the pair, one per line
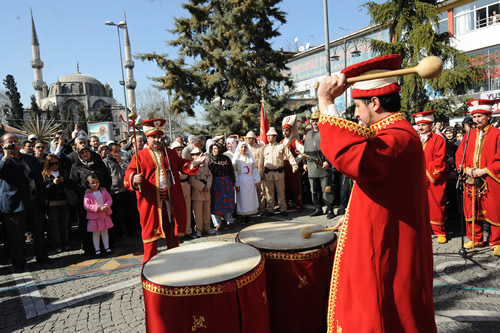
(427, 68)
(306, 232)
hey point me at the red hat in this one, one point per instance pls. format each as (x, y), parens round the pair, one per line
(376, 87)
(153, 126)
(424, 117)
(483, 106)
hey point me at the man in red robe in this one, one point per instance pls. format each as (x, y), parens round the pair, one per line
(435, 169)
(293, 189)
(481, 174)
(160, 200)
(382, 273)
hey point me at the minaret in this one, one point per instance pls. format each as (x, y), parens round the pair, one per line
(129, 66)
(37, 64)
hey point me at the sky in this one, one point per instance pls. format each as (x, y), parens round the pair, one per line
(74, 31)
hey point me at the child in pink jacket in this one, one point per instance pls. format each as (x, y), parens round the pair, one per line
(97, 202)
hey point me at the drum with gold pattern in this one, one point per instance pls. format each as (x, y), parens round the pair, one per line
(206, 287)
(298, 273)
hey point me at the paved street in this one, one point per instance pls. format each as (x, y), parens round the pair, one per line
(82, 294)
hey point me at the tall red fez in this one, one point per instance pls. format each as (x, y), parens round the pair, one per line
(153, 126)
(376, 87)
(483, 106)
(424, 117)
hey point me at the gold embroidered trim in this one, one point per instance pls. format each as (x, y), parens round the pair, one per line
(383, 123)
(211, 289)
(303, 281)
(334, 284)
(437, 223)
(250, 277)
(430, 177)
(492, 175)
(183, 291)
(301, 255)
(436, 172)
(347, 124)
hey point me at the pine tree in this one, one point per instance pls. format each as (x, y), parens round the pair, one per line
(34, 107)
(411, 25)
(16, 115)
(224, 56)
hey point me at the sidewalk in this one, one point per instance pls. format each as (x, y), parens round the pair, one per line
(82, 294)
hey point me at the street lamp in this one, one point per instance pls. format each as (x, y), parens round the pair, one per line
(356, 53)
(121, 25)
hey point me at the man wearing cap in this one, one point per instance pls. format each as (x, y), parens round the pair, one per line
(274, 176)
(382, 273)
(318, 170)
(481, 174)
(293, 190)
(434, 146)
(256, 151)
(154, 175)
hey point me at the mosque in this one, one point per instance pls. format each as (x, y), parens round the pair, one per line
(79, 91)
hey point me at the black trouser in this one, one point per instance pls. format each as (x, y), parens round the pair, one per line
(318, 186)
(15, 227)
(85, 236)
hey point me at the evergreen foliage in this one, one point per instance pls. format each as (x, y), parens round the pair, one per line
(16, 115)
(411, 25)
(224, 57)
(34, 107)
(104, 113)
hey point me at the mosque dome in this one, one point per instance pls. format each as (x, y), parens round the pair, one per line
(77, 84)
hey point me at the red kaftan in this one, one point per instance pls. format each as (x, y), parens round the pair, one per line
(482, 202)
(152, 212)
(435, 169)
(382, 274)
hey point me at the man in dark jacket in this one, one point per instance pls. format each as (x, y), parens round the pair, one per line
(22, 201)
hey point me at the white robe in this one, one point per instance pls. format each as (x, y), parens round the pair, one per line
(247, 175)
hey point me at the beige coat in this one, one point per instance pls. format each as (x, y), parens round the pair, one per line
(272, 158)
(256, 151)
(200, 191)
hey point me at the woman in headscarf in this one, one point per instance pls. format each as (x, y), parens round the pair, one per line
(222, 191)
(451, 172)
(247, 175)
(231, 144)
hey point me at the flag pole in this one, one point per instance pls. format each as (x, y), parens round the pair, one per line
(133, 116)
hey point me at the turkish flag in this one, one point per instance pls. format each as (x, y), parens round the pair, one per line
(264, 124)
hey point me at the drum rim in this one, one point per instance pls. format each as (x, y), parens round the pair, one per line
(297, 250)
(261, 259)
(301, 250)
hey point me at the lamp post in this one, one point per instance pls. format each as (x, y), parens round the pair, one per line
(121, 25)
(335, 57)
(327, 37)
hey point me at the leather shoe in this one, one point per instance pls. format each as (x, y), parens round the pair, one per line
(441, 239)
(469, 245)
(268, 214)
(496, 251)
(330, 215)
(284, 213)
(317, 212)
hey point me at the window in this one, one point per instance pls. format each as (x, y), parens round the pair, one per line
(442, 25)
(490, 78)
(476, 15)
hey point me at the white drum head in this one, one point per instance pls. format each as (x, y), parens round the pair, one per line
(284, 236)
(201, 264)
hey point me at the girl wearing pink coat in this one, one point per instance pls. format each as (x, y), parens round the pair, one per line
(97, 202)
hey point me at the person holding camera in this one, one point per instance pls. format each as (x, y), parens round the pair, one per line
(22, 202)
(274, 175)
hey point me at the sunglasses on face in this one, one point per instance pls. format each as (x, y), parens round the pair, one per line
(53, 163)
(39, 147)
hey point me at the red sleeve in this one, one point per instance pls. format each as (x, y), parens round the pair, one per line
(437, 168)
(493, 148)
(356, 153)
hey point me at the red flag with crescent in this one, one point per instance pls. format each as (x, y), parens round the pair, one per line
(264, 124)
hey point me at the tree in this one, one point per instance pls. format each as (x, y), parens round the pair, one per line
(225, 56)
(34, 107)
(411, 24)
(151, 104)
(16, 115)
(104, 113)
(4, 106)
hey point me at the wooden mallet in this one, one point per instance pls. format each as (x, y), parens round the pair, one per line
(428, 68)
(306, 232)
